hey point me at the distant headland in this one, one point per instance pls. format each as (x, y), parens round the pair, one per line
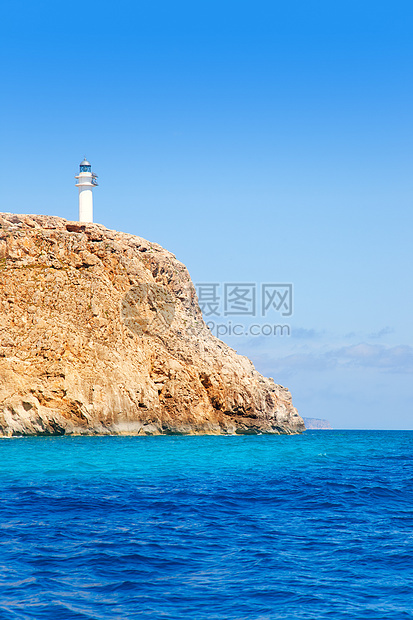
(317, 424)
(101, 333)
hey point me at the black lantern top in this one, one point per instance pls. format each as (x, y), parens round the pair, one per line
(85, 166)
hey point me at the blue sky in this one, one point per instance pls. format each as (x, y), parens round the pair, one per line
(259, 142)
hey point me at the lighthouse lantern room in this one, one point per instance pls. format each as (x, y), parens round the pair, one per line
(86, 181)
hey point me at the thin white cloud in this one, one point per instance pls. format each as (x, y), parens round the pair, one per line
(305, 334)
(382, 332)
(397, 359)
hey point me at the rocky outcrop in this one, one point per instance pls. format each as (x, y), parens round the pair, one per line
(101, 333)
(317, 424)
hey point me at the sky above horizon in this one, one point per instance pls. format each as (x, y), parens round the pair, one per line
(261, 142)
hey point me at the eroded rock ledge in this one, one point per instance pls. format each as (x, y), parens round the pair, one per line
(101, 333)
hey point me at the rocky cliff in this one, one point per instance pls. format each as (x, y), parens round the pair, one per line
(101, 333)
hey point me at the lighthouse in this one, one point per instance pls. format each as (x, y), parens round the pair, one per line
(86, 181)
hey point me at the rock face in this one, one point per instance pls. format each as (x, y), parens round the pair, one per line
(101, 333)
(317, 424)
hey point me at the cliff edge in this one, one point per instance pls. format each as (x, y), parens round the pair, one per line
(101, 333)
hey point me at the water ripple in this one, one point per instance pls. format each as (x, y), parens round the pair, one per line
(317, 526)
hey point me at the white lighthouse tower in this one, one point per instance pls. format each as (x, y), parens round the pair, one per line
(86, 182)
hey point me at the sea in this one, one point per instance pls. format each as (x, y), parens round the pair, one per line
(313, 526)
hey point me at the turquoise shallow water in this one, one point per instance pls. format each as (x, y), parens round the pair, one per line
(257, 527)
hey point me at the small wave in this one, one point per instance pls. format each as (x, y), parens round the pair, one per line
(172, 529)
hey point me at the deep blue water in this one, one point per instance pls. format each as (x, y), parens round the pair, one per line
(259, 527)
